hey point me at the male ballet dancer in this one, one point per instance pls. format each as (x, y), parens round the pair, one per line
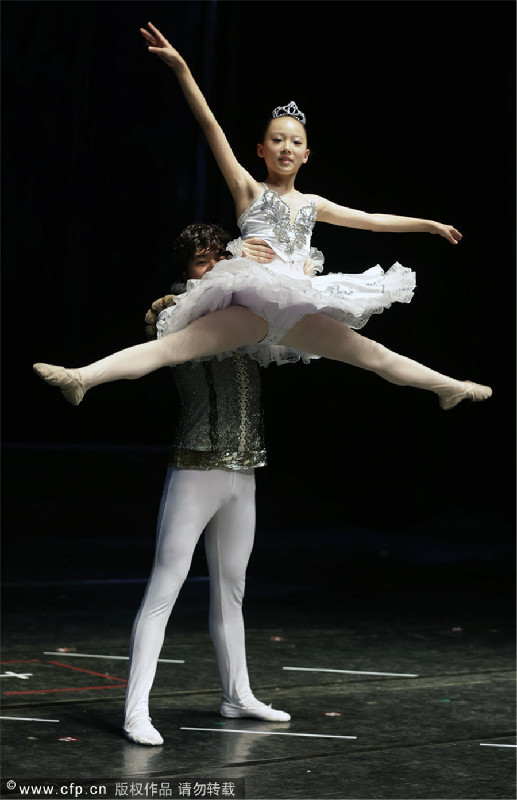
(210, 485)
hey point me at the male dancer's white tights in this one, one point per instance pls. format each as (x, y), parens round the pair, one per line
(223, 502)
(236, 326)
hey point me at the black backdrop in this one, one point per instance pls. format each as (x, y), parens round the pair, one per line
(410, 110)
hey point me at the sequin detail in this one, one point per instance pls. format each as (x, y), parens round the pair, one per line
(212, 406)
(243, 389)
(290, 234)
(182, 458)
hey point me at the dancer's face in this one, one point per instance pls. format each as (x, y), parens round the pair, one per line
(284, 148)
(203, 261)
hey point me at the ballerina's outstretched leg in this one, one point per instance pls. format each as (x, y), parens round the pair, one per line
(236, 326)
(324, 336)
(217, 332)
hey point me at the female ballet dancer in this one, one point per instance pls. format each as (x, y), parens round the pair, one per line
(241, 305)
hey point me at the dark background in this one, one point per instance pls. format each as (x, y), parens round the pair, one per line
(410, 109)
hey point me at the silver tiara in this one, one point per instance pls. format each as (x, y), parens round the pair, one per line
(291, 110)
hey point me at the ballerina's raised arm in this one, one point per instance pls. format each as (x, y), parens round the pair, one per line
(243, 187)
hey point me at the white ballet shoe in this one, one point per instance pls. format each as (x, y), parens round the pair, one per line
(142, 732)
(472, 391)
(68, 380)
(256, 711)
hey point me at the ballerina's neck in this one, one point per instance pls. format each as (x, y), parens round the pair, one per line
(288, 197)
(283, 189)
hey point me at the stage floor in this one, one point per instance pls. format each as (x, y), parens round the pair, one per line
(439, 724)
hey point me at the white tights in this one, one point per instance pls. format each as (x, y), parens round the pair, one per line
(236, 326)
(223, 502)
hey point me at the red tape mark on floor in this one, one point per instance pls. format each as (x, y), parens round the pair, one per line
(122, 682)
(91, 672)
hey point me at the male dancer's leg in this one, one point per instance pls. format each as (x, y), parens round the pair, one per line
(229, 541)
(190, 498)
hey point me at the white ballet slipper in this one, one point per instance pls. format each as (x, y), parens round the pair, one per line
(256, 711)
(68, 380)
(472, 391)
(142, 732)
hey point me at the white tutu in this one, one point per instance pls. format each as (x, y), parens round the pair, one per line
(282, 301)
(282, 292)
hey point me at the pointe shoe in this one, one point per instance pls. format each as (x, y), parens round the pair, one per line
(257, 711)
(67, 380)
(142, 732)
(472, 391)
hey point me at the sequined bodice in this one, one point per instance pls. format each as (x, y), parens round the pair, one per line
(268, 217)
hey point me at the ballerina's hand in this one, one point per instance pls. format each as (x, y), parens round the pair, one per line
(257, 250)
(448, 232)
(157, 43)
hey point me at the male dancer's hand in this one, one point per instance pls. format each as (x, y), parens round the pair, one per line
(154, 312)
(257, 250)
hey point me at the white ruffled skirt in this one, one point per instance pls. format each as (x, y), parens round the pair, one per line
(283, 300)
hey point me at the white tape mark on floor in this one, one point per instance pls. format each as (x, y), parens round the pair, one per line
(488, 744)
(113, 658)
(270, 733)
(353, 672)
(31, 719)
(24, 676)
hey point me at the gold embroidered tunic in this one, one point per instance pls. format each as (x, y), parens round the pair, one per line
(221, 424)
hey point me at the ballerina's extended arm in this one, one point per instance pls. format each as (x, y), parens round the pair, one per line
(389, 223)
(241, 184)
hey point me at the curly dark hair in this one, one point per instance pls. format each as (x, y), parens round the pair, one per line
(196, 238)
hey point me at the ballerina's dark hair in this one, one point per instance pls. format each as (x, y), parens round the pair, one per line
(291, 110)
